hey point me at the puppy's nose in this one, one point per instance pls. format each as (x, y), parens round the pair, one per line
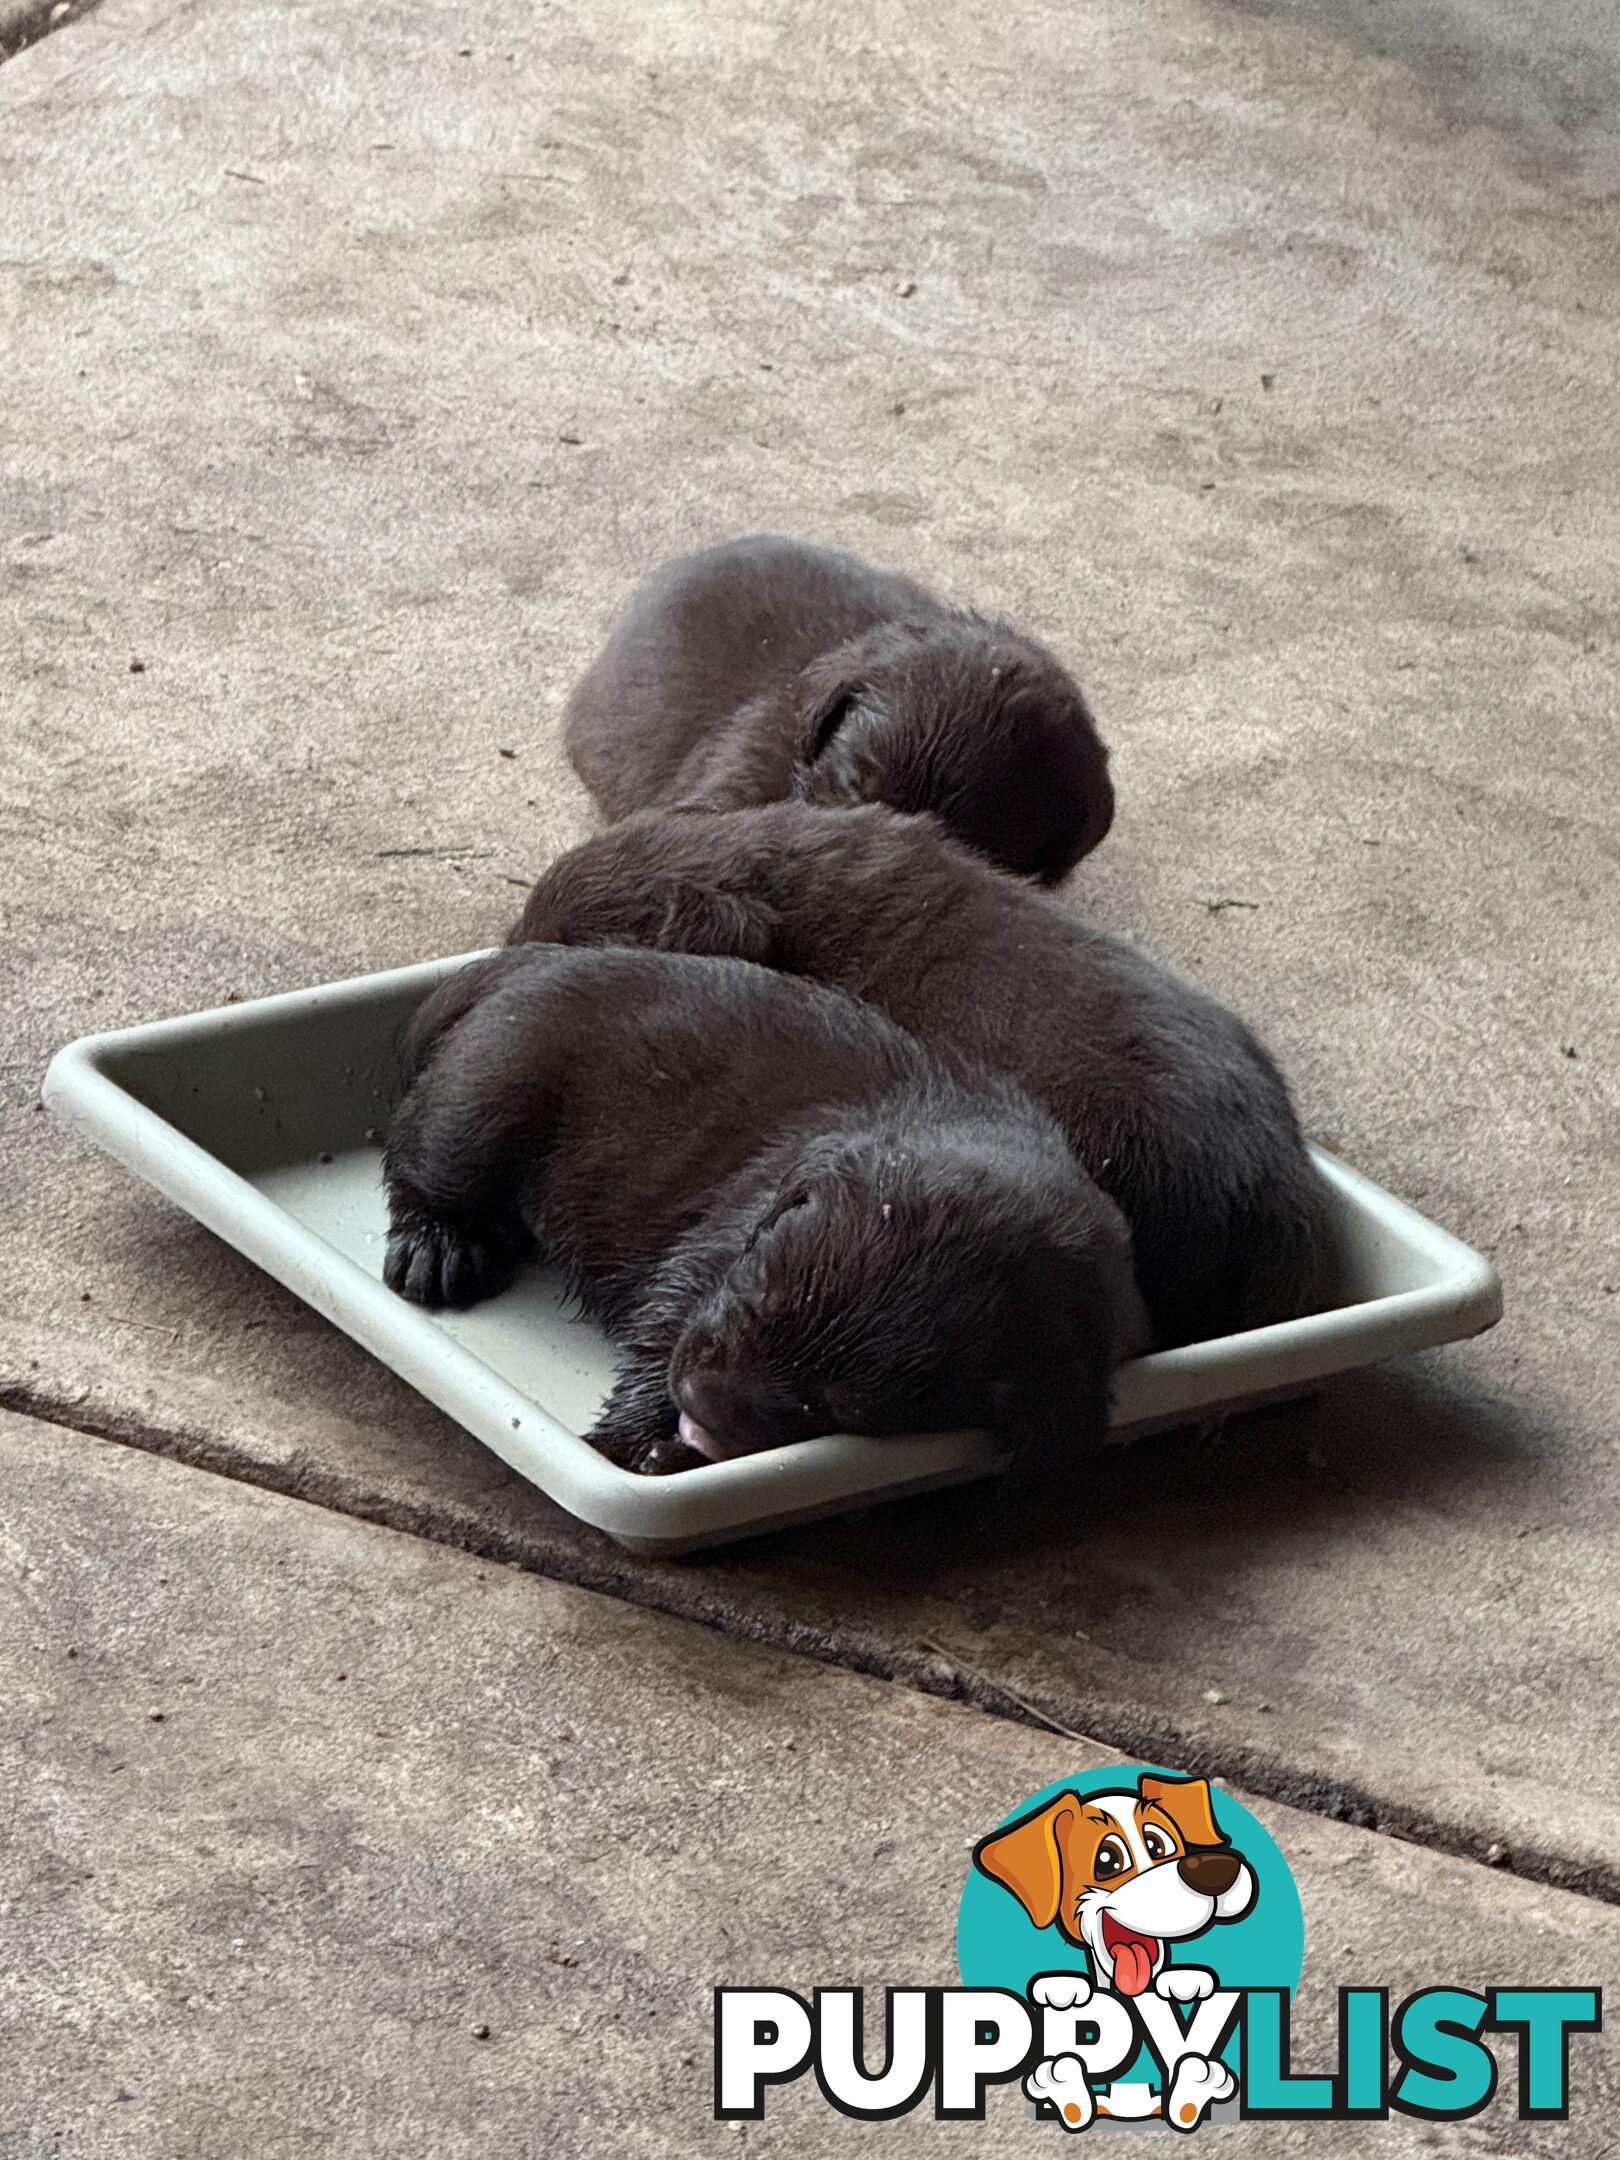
(709, 1399)
(1209, 1873)
(739, 1414)
(734, 1415)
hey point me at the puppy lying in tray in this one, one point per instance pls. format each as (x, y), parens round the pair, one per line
(1166, 1098)
(789, 1217)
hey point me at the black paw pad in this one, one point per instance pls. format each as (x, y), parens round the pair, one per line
(434, 1265)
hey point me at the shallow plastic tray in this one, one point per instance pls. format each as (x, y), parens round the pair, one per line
(263, 1120)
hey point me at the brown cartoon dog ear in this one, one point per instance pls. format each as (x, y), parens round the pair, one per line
(1027, 1857)
(1187, 1803)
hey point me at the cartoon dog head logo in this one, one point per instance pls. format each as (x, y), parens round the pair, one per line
(1124, 1874)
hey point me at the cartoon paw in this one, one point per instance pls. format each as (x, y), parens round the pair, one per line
(1061, 2080)
(1061, 1991)
(1184, 1983)
(1197, 2085)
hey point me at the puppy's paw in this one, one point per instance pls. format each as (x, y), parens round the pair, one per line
(434, 1264)
(1197, 2085)
(637, 1427)
(1061, 1991)
(1061, 2082)
(1184, 1984)
(666, 1455)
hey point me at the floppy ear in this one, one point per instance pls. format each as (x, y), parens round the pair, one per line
(1187, 1803)
(721, 925)
(1026, 1858)
(828, 692)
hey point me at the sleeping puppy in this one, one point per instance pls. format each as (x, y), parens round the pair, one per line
(789, 1217)
(1167, 1100)
(765, 669)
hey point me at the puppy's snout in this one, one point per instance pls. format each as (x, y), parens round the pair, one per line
(709, 1399)
(739, 1413)
(1209, 1873)
(727, 1411)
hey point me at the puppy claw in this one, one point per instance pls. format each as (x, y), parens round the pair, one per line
(636, 1428)
(1184, 1984)
(666, 1456)
(435, 1265)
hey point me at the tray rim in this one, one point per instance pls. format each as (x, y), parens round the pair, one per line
(747, 1495)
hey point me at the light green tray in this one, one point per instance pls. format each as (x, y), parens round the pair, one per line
(263, 1121)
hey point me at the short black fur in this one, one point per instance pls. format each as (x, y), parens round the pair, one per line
(1169, 1102)
(765, 669)
(788, 1216)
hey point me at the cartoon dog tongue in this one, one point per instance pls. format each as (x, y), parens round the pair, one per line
(1133, 1961)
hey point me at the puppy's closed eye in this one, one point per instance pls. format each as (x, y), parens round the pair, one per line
(787, 1200)
(790, 1199)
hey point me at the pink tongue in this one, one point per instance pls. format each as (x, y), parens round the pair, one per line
(1133, 1967)
(700, 1439)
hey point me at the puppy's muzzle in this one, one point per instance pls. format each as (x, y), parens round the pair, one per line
(722, 1414)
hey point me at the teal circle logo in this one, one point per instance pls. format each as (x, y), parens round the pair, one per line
(1128, 1876)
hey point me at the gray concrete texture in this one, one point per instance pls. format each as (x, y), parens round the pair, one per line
(1260, 357)
(392, 1795)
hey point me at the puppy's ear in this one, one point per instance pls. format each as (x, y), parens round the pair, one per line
(1187, 1803)
(721, 925)
(829, 695)
(1027, 1858)
(838, 683)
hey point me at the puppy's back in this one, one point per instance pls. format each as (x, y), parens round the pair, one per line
(1168, 1100)
(706, 635)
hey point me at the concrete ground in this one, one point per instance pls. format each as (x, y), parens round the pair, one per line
(317, 1832)
(1261, 356)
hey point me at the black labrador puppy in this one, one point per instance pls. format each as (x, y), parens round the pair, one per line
(1166, 1098)
(765, 669)
(790, 1217)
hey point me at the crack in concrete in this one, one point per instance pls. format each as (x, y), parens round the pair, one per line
(618, 1575)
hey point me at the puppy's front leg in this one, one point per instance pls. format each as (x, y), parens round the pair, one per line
(637, 1425)
(452, 1236)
